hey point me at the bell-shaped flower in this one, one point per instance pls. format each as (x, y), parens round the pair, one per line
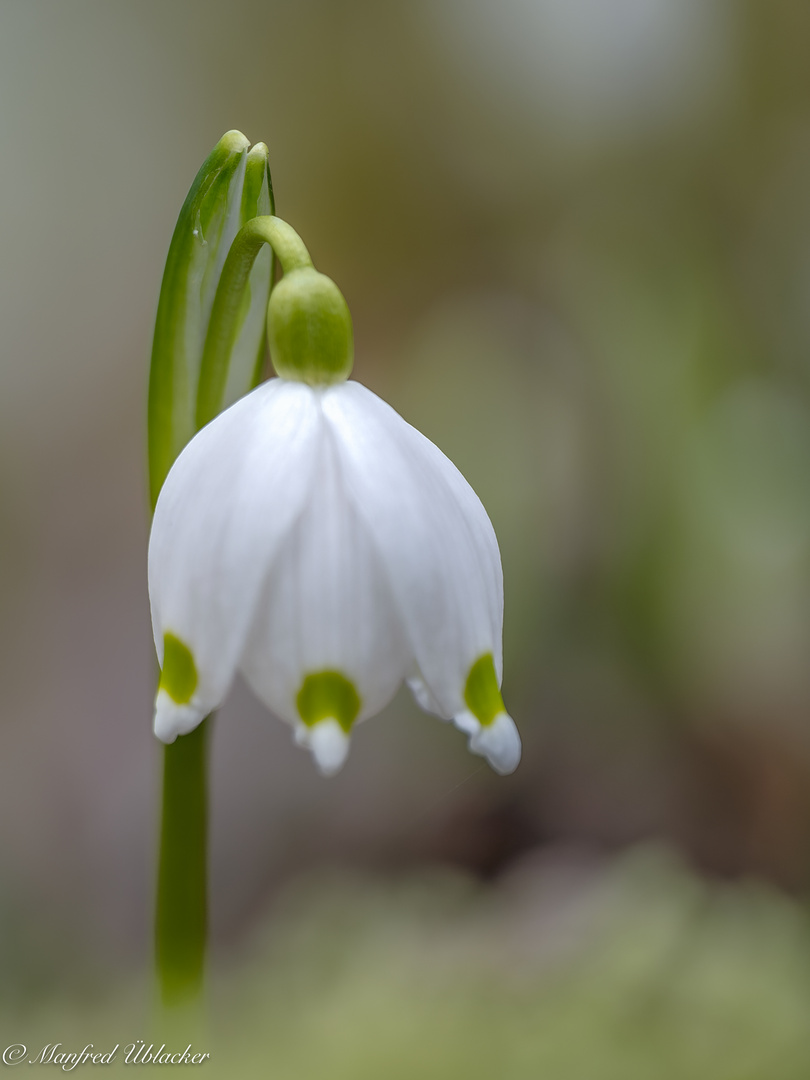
(313, 540)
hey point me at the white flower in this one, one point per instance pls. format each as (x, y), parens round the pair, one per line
(312, 539)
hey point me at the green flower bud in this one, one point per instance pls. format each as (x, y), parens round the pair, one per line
(310, 329)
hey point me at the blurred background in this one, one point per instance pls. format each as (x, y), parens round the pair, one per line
(575, 239)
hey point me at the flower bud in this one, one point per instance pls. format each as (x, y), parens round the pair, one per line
(310, 329)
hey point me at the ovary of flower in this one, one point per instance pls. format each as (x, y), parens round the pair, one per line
(312, 539)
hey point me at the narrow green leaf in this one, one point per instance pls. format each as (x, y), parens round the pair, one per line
(231, 187)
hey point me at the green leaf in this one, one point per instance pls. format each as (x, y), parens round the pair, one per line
(232, 187)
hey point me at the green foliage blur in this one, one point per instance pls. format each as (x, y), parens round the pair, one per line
(567, 969)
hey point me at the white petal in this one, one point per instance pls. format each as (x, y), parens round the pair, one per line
(328, 743)
(466, 722)
(172, 719)
(227, 505)
(424, 699)
(433, 535)
(498, 742)
(326, 606)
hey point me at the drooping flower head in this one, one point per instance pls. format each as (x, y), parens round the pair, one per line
(313, 540)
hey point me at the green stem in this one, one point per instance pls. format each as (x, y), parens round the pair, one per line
(222, 326)
(182, 915)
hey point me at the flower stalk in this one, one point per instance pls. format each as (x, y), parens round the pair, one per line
(216, 357)
(181, 924)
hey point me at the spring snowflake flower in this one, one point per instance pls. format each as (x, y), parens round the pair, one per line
(313, 540)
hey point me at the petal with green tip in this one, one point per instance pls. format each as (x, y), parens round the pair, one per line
(226, 510)
(434, 538)
(327, 641)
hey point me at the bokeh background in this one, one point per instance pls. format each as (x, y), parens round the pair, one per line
(575, 239)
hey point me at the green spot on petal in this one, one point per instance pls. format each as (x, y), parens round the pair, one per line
(482, 695)
(179, 675)
(328, 694)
